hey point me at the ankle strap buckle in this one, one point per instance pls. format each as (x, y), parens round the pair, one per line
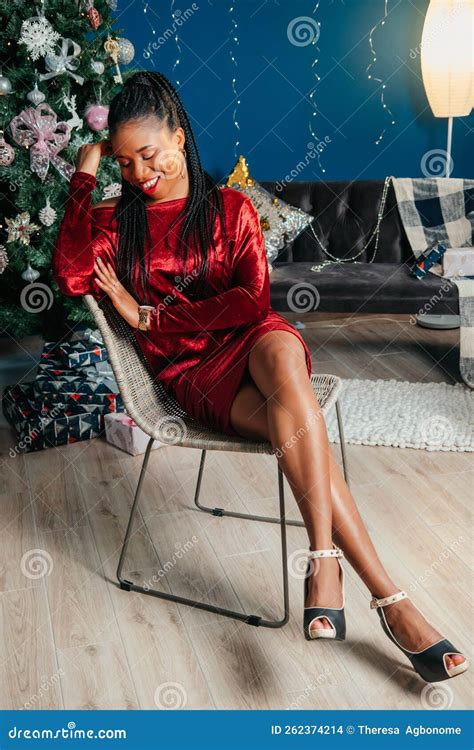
(336, 552)
(374, 602)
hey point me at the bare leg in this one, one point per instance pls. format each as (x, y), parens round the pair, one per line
(274, 404)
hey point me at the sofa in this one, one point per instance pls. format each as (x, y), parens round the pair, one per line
(345, 216)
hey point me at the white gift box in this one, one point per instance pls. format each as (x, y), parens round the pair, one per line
(458, 261)
(123, 432)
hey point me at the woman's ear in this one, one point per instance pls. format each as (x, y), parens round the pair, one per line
(180, 138)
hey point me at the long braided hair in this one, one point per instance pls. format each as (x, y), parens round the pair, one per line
(148, 93)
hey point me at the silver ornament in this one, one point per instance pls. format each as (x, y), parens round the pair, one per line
(36, 96)
(47, 214)
(7, 154)
(126, 51)
(3, 258)
(5, 85)
(31, 274)
(98, 67)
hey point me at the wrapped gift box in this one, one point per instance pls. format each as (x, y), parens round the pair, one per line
(73, 383)
(109, 402)
(458, 261)
(38, 426)
(426, 260)
(123, 432)
(85, 347)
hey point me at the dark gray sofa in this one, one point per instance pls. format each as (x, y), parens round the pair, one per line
(345, 216)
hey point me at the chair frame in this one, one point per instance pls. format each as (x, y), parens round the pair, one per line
(108, 336)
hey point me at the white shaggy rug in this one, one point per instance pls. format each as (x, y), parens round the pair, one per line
(430, 416)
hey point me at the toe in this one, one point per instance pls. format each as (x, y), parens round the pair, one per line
(319, 623)
(457, 659)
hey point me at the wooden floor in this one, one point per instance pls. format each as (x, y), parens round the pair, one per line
(70, 638)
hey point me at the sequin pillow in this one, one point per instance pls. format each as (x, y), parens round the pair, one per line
(281, 223)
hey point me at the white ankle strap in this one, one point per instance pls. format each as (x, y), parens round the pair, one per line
(374, 603)
(336, 552)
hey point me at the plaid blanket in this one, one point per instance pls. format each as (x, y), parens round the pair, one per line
(441, 209)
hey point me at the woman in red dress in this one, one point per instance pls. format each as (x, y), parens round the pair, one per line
(216, 344)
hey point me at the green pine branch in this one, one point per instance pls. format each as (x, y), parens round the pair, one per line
(21, 189)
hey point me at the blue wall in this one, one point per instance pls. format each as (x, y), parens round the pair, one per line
(274, 79)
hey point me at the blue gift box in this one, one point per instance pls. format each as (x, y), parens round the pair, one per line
(38, 426)
(84, 348)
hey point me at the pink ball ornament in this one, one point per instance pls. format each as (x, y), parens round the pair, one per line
(96, 116)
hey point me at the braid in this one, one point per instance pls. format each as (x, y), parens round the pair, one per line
(149, 93)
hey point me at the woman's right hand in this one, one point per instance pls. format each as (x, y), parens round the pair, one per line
(89, 156)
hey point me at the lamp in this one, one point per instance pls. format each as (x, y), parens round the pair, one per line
(447, 67)
(447, 61)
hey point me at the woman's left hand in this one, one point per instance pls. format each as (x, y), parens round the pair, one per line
(123, 302)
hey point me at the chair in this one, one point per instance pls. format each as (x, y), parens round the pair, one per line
(163, 419)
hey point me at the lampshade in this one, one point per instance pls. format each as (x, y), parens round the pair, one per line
(447, 51)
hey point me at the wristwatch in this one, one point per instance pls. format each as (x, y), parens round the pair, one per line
(144, 315)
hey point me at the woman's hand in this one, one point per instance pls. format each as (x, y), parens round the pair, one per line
(123, 302)
(89, 156)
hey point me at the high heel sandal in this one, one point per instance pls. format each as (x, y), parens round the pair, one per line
(334, 615)
(429, 663)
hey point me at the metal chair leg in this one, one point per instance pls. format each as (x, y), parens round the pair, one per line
(267, 519)
(243, 617)
(343, 443)
(234, 514)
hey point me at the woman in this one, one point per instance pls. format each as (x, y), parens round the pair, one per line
(216, 344)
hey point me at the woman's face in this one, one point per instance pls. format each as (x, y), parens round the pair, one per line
(150, 157)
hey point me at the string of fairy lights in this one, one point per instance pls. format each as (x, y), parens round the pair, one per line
(372, 77)
(235, 39)
(235, 42)
(174, 15)
(314, 112)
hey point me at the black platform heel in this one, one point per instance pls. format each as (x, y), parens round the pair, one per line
(334, 615)
(429, 663)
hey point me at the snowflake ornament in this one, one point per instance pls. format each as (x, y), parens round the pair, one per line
(20, 228)
(38, 36)
(112, 191)
(80, 139)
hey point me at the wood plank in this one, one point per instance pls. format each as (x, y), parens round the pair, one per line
(30, 673)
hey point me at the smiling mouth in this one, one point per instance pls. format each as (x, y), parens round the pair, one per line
(149, 184)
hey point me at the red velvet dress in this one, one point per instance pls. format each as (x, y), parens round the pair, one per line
(198, 349)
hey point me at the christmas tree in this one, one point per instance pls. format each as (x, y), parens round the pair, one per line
(59, 67)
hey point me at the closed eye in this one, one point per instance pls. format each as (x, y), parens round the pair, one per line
(145, 158)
